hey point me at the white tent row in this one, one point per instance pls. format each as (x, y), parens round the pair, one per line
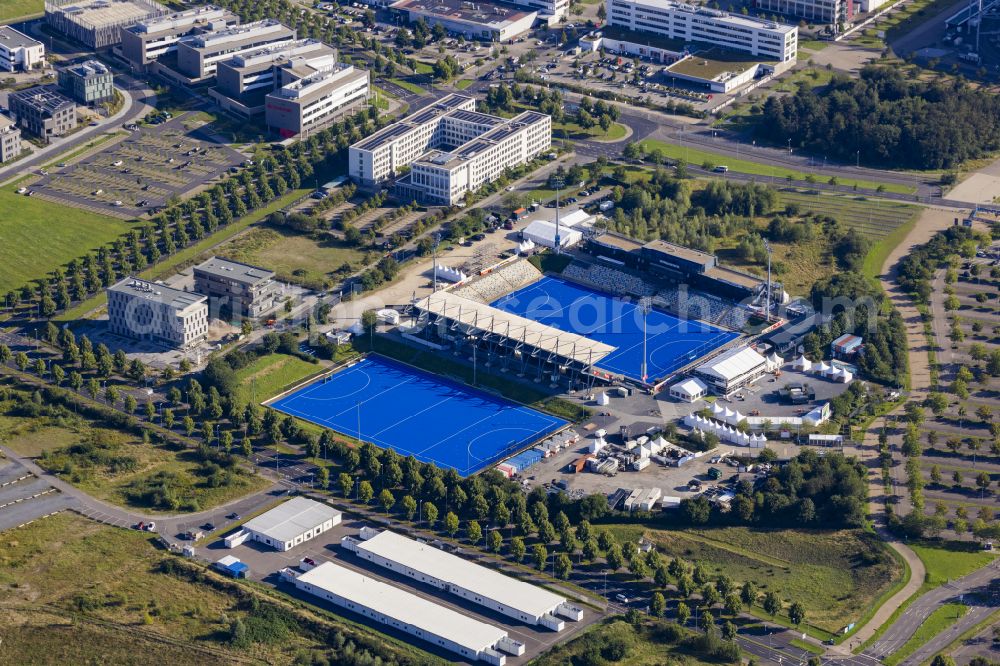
(525, 246)
(773, 362)
(449, 274)
(650, 448)
(833, 372)
(725, 432)
(730, 416)
(802, 363)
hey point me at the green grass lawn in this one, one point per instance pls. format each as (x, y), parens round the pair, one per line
(423, 68)
(875, 218)
(15, 9)
(641, 645)
(836, 575)
(31, 438)
(79, 592)
(942, 618)
(270, 375)
(945, 564)
(462, 84)
(38, 236)
(697, 156)
(294, 257)
(814, 44)
(112, 483)
(412, 87)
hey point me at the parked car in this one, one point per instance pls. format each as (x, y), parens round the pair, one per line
(621, 598)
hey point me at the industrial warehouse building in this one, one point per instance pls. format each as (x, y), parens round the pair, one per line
(451, 150)
(99, 23)
(407, 612)
(733, 370)
(294, 522)
(149, 311)
(18, 52)
(482, 21)
(472, 582)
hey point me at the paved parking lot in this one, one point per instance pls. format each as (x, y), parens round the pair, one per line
(264, 564)
(24, 497)
(140, 173)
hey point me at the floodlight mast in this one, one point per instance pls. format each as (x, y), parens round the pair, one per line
(558, 184)
(646, 305)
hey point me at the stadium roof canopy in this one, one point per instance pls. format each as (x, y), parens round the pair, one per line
(479, 317)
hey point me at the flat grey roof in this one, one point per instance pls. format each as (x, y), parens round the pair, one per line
(405, 607)
(43, 98)
(289, 520)
(13, 39)
(530, 599)
(679, 251)
(88, 69)
(234, 270)
(5, 121)
(482, 13)
(153, 291)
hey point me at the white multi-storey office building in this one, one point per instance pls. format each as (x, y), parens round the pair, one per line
(18, 52)
(693, 24)
(311, 94)
(145, 42)
(451, 148)
(151, 311)
(198, 56)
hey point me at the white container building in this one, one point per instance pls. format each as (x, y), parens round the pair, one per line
(404, 611)
(294, 522)
(472, 582)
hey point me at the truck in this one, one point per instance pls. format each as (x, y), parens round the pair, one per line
(714, 473)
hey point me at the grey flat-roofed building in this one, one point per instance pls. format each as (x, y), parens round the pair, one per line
(150, 311)
(296, 521)
(198, 56)
(18, 51)
(256, 70)
(98, 23)
(246, 291)
(89, 82)
(485, 21)
(43, 111)
(404, 611)
(148, 40)
(466, 579)
(10, 139)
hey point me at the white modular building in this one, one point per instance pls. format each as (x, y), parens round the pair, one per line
(150, 311)
(689, 390)
(404, 611)
(472, 582)
(687, 23)
(294, 522)
(733, 370)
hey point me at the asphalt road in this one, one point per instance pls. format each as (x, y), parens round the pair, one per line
(962, 589)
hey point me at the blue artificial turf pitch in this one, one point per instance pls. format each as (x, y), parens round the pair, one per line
(671, 342)
(416, 413)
